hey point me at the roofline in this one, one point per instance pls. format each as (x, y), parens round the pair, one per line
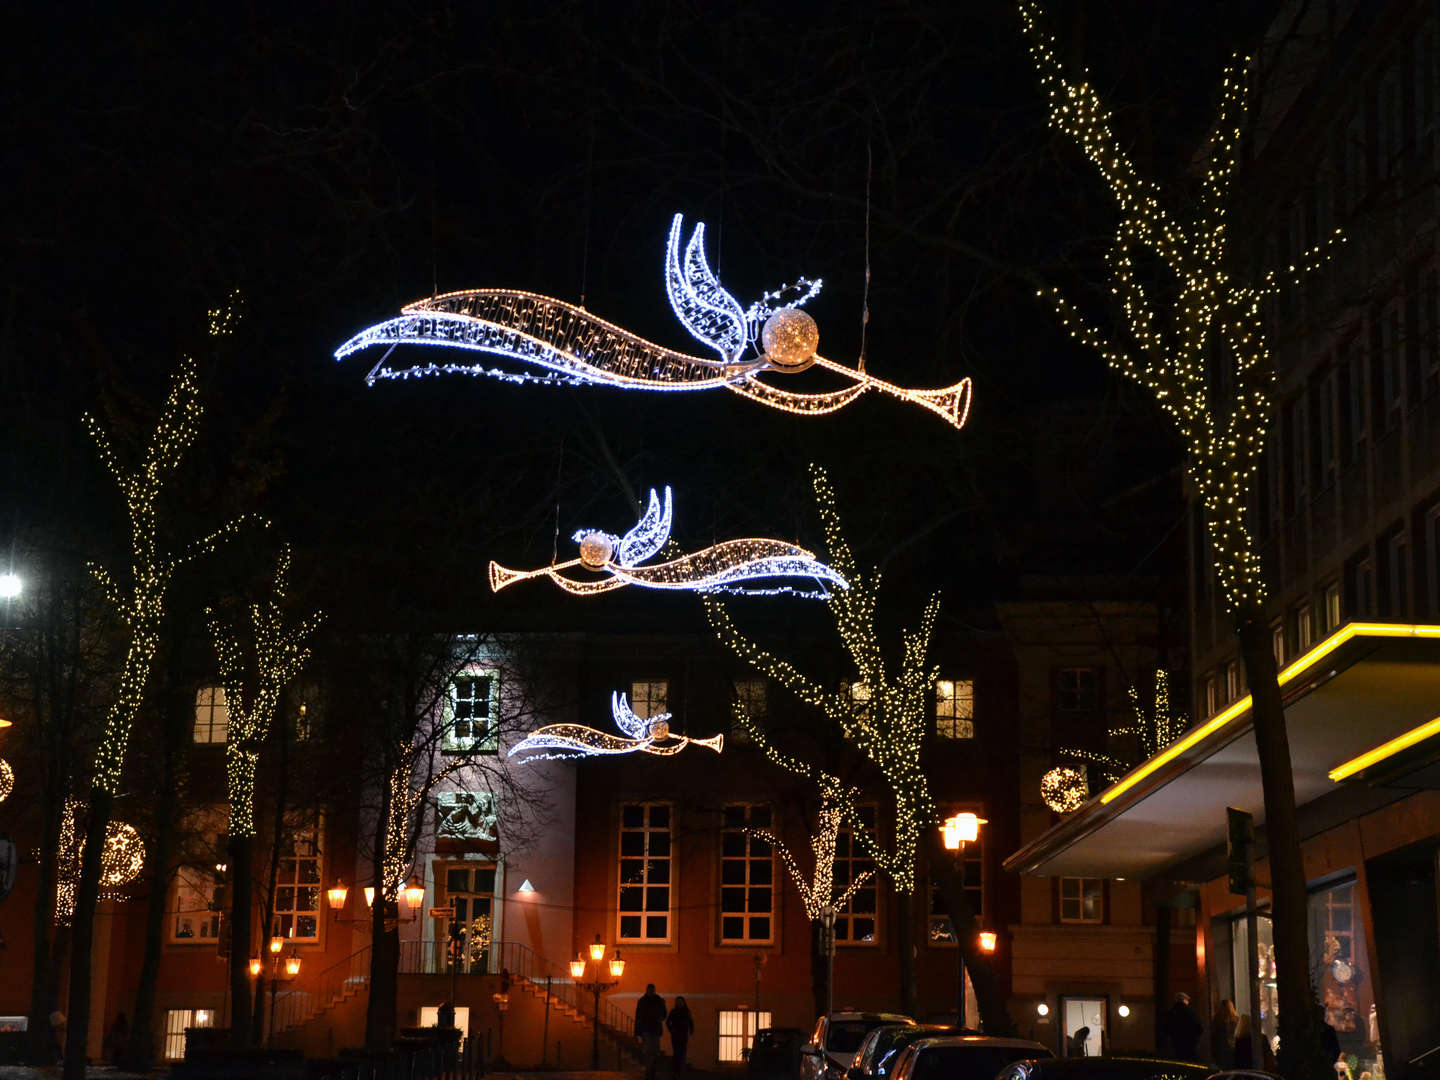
(1222, 728)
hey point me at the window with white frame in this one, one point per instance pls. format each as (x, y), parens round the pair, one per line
(737, 1028)
(747, 877)
(752, 699)
(955, 708)
(1212, 695)
(176, 1021)
(1082, 900)
(297, 886)
(212, 715)
(199, 901)
(643, 906)
(649, 697)
(1304, 626)
(1077, 689)
(1232, 681)
(472, 714)
(1364, 587)
(1332, 607)
(972, 880)
(1277, 642)
(855, 923)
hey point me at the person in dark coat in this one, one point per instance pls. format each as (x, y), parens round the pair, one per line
(681, 1026)
(1183, 1027)
(649, 1026)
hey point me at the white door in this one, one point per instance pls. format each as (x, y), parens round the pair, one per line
(1083, 1012)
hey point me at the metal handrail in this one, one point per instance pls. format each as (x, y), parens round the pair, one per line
(296, 1005)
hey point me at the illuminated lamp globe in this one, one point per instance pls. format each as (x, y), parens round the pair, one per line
(617, 966)
(1042, 1009)
(292, 963)
(414, 894)
(254, 966)
(790, 339)
(597, 949)
(987, 941)
(7, 779)
(1064, 789)
(595, 550)
(577, 968)
(1124, 1011)
(659, 729)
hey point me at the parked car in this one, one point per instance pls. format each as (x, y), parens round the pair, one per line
(831, 1049)
(879, 1049)
(962, 1057)
(776, 1052)
(1124, 1068)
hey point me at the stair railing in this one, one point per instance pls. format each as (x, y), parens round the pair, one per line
(295, 1005)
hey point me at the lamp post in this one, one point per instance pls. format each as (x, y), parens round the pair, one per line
(596, 986)
(291, 965)
(957, 831)
(413, 894)
(502, 1004)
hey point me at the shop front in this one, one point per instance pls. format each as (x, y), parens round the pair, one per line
(1360, 712)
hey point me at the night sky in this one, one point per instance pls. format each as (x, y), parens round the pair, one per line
(334, 164)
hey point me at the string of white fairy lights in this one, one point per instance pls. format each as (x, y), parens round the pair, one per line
(817, 889)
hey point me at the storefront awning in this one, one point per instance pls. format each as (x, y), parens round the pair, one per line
(1354, 704)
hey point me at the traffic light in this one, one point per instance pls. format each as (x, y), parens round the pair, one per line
(1240, 841)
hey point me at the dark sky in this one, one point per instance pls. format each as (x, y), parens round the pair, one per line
(333, 165)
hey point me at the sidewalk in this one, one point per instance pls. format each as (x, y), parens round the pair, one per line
(92, 1072)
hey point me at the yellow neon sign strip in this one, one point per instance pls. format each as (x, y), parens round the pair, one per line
(1385, 750)
(1291, 671)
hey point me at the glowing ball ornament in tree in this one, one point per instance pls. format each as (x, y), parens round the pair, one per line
(7, 779)
(596, 549)
(1064, 789)
(124, 855)
(790, 339)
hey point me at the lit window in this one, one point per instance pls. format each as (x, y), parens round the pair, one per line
(1082, 900)
(649, 697)
(747, 878)
(955, 709)
(1332, 607)
(200, 899)
(1076, 689)
(1232, 681)
(472, 714)
(1304, 627)
(297, 888)
(1277, 643)
(737, 1028)
(1212, 696)
(430, 1017)
(212, 716)
(176, 1021)
(855, 923)
(644, 879)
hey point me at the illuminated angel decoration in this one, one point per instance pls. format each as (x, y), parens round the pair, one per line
(576, 348)
(726, 567)
(645, 735)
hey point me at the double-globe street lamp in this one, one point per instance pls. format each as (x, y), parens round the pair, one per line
(597, 986)
(291, 965)
(957, 831)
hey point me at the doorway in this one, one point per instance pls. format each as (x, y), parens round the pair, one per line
(1077, 1013)
(469, 888)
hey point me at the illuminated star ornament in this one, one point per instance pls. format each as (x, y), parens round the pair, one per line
(726, 567)
(573, 347)
(652, 735)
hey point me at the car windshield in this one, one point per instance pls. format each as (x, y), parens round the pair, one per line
(886, 1043)
(846, 1036)
(966, 1062)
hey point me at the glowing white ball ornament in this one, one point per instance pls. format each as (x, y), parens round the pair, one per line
(790, 339)
(596, 549)
(1064, 789)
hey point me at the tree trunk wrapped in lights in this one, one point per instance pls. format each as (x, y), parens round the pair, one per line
(279, 654)
(884, 714)
(1173, 342)
(141, 607)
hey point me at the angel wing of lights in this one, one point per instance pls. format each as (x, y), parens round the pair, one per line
(731, 566)
(644, 735)
(552, 342)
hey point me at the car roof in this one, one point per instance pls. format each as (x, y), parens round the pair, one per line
(977, 1040)
(1127, 1067)
(889, 1018)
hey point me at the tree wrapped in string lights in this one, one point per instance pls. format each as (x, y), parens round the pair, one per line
(139, 600)
(883, 713)
(1153, 730)
(253, 688)
(1173, 337)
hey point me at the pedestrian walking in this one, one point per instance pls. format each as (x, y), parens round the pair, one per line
(1078, 1043)
(681, 1026)
(1222, 1034)
(649, 1026)
(1183, 1027)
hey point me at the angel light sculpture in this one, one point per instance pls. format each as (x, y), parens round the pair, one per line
(576, 348)
(645, 735)
(726, 567)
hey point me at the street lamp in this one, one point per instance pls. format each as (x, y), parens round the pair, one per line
(11, 586)
(957, 831)
(336, 895)
(414, 895)
(596, 986)
(290, 963)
